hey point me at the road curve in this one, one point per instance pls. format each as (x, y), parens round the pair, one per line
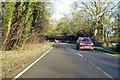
(63, 61)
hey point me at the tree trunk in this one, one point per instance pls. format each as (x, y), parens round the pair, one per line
(95, 32)
(8, 32)
(103, 33)
(107, 37)
(95, 36)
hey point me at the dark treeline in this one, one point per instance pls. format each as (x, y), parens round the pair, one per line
(24, 22)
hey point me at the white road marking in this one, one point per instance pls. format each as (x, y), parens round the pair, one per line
(111, 54)
(80, 55)
(101, 70)
(91, 63)
(17, 76)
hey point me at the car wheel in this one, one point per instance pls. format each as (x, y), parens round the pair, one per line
(77, 47)
(91, 49)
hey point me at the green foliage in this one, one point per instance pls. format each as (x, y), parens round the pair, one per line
(106, 50)
(26, 21)
(9, 8)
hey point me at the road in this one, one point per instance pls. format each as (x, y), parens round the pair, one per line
(63, 61)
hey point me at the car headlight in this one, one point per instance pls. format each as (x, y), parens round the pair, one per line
(91, 43)
(81, 43)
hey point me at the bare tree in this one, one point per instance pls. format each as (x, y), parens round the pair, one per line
(98, 10)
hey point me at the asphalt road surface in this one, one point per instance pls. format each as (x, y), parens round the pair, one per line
(63, 61)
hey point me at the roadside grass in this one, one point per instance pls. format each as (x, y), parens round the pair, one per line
(106, 50)
(15, 61)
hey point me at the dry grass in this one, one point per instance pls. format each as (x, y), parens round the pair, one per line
(112, 45)
(15, 61)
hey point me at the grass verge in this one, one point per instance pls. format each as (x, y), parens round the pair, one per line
(101, 49)
(106, 50)
(15, 61)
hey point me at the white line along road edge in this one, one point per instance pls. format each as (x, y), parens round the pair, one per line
(17, 76)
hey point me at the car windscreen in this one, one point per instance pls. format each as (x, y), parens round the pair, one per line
(85, 40)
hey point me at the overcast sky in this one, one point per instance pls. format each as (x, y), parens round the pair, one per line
(61, 7)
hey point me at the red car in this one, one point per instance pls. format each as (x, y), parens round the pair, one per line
(56, 41)
(84, 43)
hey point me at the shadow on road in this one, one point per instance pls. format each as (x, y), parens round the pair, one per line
(59, 45)
(69, 46)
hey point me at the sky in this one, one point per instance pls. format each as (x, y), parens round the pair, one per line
(61, 7)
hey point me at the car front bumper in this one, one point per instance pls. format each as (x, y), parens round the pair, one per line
(86, 47)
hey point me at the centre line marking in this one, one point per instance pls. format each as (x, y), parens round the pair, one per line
(80, 55)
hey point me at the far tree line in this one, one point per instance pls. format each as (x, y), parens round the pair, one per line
(29, 22)
(97, 20)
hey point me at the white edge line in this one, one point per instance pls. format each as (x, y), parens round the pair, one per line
(101, 70)
(17, 76)
(111, 54)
